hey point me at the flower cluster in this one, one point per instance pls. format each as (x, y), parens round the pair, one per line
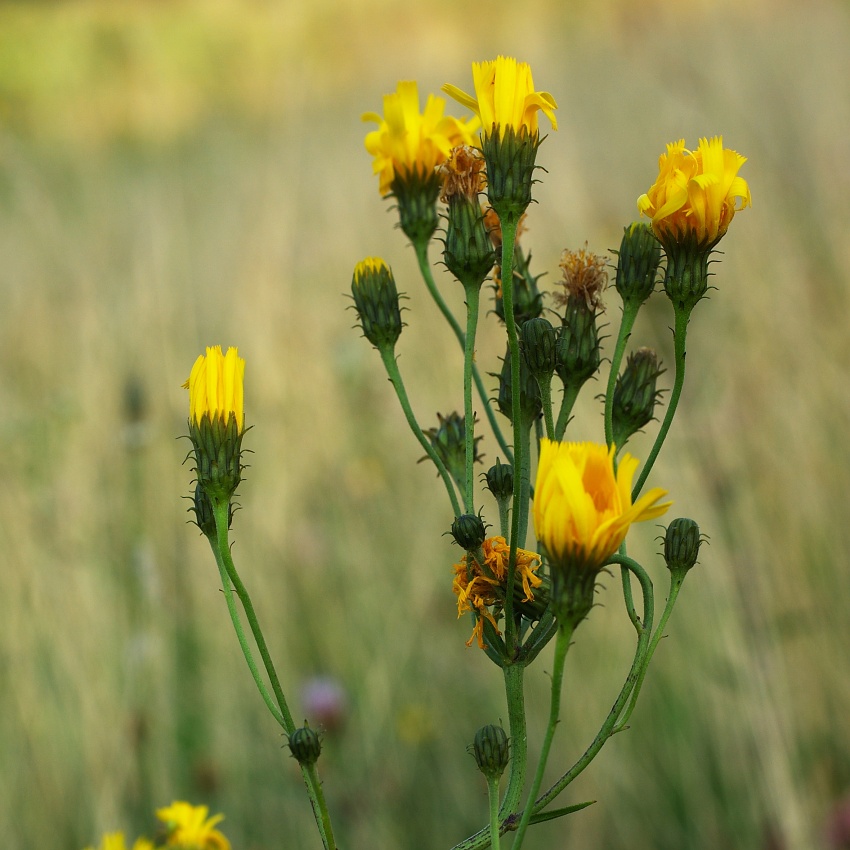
(480, 585)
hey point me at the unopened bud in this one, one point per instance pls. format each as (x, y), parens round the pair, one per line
(682, 542)
(635, 395)
(500, 480)
(305, 745)
(468, 253)
(491, 751)
(578, 345)
(530, 402)
(637, 263)
(449, 442)
(469, 532)
(376, 300)
(539, 342)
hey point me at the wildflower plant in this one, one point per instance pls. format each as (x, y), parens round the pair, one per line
(479, 172)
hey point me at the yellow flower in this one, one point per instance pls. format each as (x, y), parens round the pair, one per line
(582, 507)
(189, 827)
(478, 586)
(408, 143)
(115, 841)
(216, 387)
(505, 97)
(697, 193)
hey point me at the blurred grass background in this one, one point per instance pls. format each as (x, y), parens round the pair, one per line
(181, 173)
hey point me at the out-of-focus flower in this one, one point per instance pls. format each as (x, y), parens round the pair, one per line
(324, 701)
(409, 143)
(696, 194)
(479, 586)
(189, 827)
(505, 97)
(115, 841)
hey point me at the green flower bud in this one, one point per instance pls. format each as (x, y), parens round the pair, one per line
(500, 480)
(539, 341)
(635, 395)
(491, 750)
(415, 192)
(469, 532)
(578, 356)
(682, 542)
(449, 442)
(531, 405)
(637, 263)
(305, 745)
(510, 158)
(527, 298)
(376, 300)
(468, 252)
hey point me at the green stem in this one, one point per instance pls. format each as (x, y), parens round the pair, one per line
(570, 395)
(472, 299)
(680, 333)
(388, 356)
(627, 594)
(493, 798)
(546, 397)
(509, 227)
(562, 645)
(515, 697)
(228, 572)
(676, 580)
(219, 546)
(630, 312)
(608, 727)
(421, 249)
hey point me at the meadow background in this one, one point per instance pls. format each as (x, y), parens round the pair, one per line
(182, 173)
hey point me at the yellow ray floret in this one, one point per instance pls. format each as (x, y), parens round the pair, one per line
(189, 827)
(582, 507)
(409, 142)
(697, 192)
(115, 841)
(216, 387)
(505, 97)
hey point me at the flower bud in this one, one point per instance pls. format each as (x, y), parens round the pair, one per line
(376, 300)
(578, 355)
(531, 405)
(468, 252)
(416, 194)
(635, 395)
(527, 298)
(491, 750)
(682, 542)
(305, 745)
(449, 442)
(539, 341)
(500, 480)
(637, 263)
(469, 532)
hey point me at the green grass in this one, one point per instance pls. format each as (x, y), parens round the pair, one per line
(128, 245)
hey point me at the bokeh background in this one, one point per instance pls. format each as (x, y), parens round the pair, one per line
(181, 173)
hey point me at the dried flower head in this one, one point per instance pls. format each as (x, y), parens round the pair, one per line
(585, 277)
(462, 173)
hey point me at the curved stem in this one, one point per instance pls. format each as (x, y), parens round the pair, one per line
(218, 547)
(630, 312)
(676, 580)
(608, 727)
(680, 333)
(388, 356)
(562, 645)
(421, 249)
(472, 298)
(570, 395)
(228, 572)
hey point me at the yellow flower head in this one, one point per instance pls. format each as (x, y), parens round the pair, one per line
(409, 142)
(115, 841)
(189, 827)
(216, 387)
(697, 192)
(505, 97)
(582, 507)
(479, 586)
